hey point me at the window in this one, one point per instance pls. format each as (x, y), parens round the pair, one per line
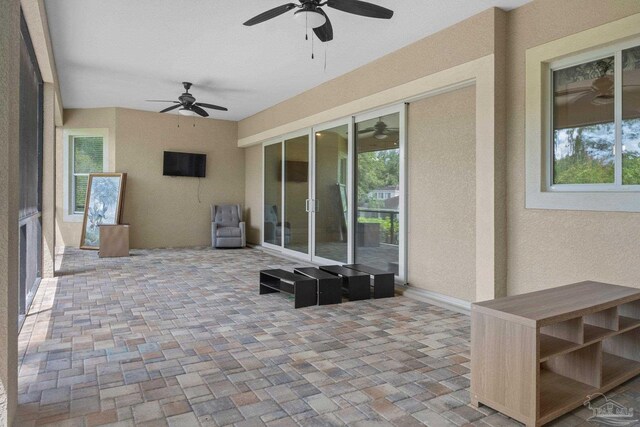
(86, 152)
(582, 106)
(596, 123)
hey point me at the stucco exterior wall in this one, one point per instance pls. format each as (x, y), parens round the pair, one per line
(175, 211)
(441, 194)
(253, 192)
(548, 248)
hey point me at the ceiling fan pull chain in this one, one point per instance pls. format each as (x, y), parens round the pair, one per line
(325, 58)
(312, 47)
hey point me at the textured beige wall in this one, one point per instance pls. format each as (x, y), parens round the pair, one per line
(461, 43)
(9, 200)
(68, 233)
(441, 189)
(165, 211)
(48, 182)
(551, 248)
(253, 192)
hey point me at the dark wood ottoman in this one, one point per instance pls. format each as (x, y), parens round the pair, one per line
(303, 288)
(383, 281)
(357, 285)
(329, 285)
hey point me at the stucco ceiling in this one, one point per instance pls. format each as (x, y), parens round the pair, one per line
(118, 53)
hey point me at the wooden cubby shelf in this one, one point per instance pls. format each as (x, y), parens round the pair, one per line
(560, 345)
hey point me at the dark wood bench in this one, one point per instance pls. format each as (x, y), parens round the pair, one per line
(303, 288)
(383, 281)
(357, 285)
(329, 285)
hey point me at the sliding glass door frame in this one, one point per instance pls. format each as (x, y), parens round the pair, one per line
(401, 110)
(350, 121)
(313, 168)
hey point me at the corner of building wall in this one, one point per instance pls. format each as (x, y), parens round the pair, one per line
(500, 71)
(49, 182)
(9, 206)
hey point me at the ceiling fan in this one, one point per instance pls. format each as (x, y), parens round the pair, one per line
(602, 87)
(187, 104)
(311, 15)
(600, 91)
(380, 130)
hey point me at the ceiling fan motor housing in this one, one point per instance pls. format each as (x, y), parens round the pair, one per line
(186, 99)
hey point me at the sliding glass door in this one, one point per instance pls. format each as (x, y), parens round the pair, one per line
(296, 195)
(272, 195)
(330, 207)
(336, 194)
(379, 190)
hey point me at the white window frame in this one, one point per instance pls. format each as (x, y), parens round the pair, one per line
(69, 193)
(593, 55)
(540, 61)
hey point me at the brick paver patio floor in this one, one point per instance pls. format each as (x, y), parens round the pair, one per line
(181, 337)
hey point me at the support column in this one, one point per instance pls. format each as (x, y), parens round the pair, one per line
(9, 202)
(48, 182)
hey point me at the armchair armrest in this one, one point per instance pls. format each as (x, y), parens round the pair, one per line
(214, 228)
(243, 233)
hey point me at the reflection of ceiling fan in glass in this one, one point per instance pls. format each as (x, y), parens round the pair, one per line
(602, 89)
(380, 130)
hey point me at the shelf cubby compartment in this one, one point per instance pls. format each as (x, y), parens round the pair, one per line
(629, 313)
(568, 330)
(557, 393)
(600, 324)
(561, 337)
(621, 358)
(583, 365)
(567, 378)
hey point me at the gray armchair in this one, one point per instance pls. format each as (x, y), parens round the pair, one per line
(227, 227)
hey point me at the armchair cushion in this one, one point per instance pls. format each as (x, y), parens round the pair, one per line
(229, 232)
(227, 216)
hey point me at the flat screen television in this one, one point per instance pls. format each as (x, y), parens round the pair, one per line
(184, 164)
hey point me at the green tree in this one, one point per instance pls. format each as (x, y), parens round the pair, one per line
(377, 169)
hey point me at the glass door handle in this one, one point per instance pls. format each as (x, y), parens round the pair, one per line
(306, 205)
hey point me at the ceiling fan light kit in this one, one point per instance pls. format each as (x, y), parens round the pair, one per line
(309, 18)
(185, 112)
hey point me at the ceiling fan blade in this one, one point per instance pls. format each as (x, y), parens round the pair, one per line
(572, 91)
(161, 100)
(325, 32)
(173, 107)
(272, 13)
(213, 107)
(366, 130)
(199, 111)
(361, 8)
